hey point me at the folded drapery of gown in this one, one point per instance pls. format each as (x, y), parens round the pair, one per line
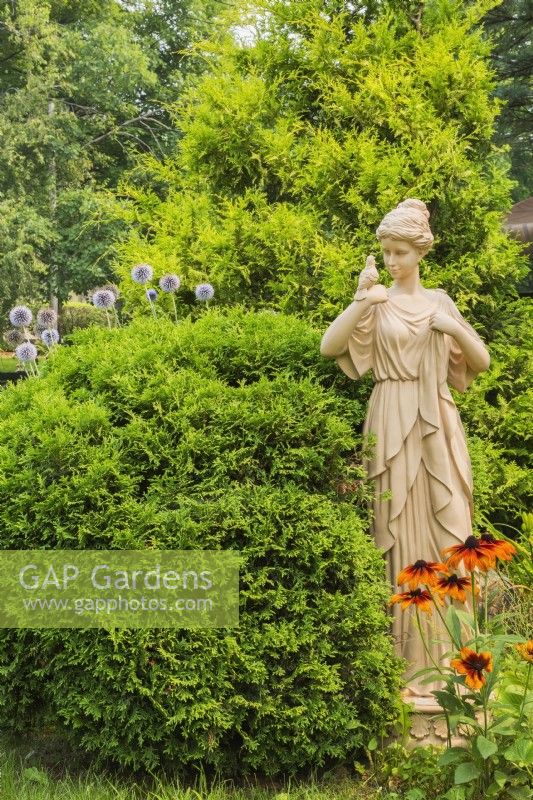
(420, 460)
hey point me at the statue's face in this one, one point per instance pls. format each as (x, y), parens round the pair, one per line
(401, 257)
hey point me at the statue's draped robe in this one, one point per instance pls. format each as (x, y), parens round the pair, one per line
(420, 457)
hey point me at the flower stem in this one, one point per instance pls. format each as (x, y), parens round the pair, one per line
(450, 634)
(526, 689)
(486, 603)
(426, 648)
(175, 308)
(474, 607)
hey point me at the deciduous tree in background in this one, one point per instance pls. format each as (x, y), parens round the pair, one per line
(510, 26)
(82, 91)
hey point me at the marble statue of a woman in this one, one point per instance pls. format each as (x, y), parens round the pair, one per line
(416, 342)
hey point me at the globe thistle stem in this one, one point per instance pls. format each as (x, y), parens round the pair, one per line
(175, 308)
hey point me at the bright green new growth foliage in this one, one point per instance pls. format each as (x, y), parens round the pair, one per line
(295, 146)
(230, 432)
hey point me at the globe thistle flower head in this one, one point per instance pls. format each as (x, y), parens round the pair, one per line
(104, 298)
(46, 318)
(142, 273)
(151, 295)
(50, 336)
(204, 292)
(112, 287)
(169, 283)
(13, 337)
(26, 352)
(20, 316)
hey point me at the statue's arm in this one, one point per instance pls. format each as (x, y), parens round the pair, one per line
(476, 354)
(335, 340)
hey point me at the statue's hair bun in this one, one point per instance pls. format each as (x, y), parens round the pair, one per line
(412, 202)
(409, 221)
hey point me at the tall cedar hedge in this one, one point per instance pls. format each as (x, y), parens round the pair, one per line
(227, 433)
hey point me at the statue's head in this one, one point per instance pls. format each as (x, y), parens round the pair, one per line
(408, 222)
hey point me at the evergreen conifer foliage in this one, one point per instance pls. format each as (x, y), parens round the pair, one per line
(227, 434)
(295, 143)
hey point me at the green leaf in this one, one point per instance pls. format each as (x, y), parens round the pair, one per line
(448, 700)
(506, 727)
(453, 755)
(485, 747)
(372, 745)
(519, 793)
(35, 776)
(454, 623)
(500, 778)
(465, 773)
(520, 752)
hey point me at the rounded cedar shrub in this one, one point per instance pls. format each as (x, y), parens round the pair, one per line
(227, 433)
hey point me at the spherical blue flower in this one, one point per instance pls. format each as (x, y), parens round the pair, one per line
(112, 287)
(151, 294)
(142, 273)
(50, 336)
(26, 352)
(20, 316)
(204, 292)
(169, 283)
(104, 298)
(13, 337)
(46, 318)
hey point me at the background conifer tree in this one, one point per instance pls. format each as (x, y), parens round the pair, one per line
(298, 139)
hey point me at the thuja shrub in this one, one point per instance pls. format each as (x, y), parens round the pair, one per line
(295, 143)
(226, 433)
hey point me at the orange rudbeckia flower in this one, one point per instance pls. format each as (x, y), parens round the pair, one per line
(472, 553)
(454, 586)
(472, 665)
(416, 597)
(497, 547)
(421, 572)
(526, 650)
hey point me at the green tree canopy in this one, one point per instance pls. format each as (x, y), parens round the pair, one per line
(82, 91)
(510, 26)
(300, 136)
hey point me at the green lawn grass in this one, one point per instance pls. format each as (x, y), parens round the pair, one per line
(8, 364)
(18, 781)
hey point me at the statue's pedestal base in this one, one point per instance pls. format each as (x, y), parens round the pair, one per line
(428, 726)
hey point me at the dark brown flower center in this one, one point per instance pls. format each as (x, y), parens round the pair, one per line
(420, 564)
(452, 580)
(471, 543)
(477, 662)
